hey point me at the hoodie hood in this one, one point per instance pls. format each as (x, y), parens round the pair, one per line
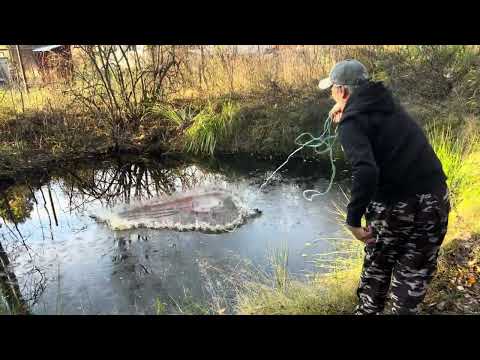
(371, 97)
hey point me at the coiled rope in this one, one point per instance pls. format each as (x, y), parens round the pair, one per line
(321, 145)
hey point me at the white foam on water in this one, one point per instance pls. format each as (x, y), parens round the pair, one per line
(202, 209)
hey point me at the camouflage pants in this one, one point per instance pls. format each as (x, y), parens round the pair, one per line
(408, 237)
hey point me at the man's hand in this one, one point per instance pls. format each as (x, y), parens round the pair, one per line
(336, 112)
(363, 234)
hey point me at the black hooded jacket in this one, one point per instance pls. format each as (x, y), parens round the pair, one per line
(390, 155)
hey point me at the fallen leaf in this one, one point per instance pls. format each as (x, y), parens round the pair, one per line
(471, 280)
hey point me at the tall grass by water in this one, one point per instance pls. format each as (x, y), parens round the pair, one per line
(329, 291)
(455, 149)
(459, 153)
(206, 127)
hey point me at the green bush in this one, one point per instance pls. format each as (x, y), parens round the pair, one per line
(454, 150)
(210, 126)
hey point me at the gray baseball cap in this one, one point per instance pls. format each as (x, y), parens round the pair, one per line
(347, 72)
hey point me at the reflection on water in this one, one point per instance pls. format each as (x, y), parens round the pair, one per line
(55, 259)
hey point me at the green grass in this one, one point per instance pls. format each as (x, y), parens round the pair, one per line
(187, 305)
(160, 307)
(205, 127)
(323, 294)
(3, 307)
(209, 127)
(454, 149)
(469, 207)
(178, 117)
(459, 153)
(279, 262)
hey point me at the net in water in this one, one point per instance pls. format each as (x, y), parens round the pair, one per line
(205, 211)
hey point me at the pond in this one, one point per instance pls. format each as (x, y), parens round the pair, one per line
(62, 261)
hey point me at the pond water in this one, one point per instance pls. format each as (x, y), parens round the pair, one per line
(64, 262)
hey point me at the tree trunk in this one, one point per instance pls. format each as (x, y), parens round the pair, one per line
(9, 286)
(22, 69)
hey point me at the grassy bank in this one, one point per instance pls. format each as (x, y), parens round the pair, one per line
(334, 292)
(43, 133)
(215, 100)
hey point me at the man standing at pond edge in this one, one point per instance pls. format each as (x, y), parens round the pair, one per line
(398, 184)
